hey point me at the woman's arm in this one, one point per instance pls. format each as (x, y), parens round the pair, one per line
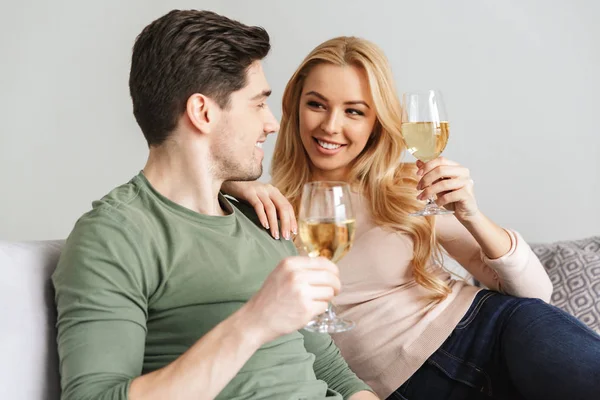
(517, 272)
(272, 208)
(499, 258)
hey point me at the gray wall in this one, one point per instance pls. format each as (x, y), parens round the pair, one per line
(520, 80)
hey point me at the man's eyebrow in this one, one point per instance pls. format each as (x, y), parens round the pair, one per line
(319, 95)
(264, 93)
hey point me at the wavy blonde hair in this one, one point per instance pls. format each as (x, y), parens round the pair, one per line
(389, 187)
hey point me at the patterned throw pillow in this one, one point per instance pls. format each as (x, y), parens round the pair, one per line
(574, 268)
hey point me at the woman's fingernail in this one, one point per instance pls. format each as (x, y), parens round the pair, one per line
(266, 226)
(286, 236)
(276, 236)
(420, 172)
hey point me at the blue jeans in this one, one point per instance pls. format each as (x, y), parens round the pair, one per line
(511, 348)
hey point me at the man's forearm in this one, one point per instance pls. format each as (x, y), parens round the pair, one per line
(205, 368)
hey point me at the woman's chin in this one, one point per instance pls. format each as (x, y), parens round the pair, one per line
(327, 168)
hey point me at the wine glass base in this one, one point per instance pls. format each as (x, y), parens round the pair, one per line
(324, 324)
(431, 211)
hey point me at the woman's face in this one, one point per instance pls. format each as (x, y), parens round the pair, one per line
(337, 117)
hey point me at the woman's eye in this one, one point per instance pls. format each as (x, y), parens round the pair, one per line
(315, 104)
(353, 111)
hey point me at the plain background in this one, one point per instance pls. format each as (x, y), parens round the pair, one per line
(520, 80)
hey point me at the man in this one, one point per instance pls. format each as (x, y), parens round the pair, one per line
(165, 289)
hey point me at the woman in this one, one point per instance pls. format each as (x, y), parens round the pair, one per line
(419, 333)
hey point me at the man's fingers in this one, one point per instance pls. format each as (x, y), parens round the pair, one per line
(319, 307)
(322, 293)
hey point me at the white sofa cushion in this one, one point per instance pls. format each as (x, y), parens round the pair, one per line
(28, 332)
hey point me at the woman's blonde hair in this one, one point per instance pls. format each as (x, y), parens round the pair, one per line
(389, 187)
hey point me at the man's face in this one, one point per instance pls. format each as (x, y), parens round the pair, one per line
(243, 127)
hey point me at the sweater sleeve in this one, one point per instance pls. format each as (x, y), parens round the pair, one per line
(330, 366)
(102, 310)
(517, 273)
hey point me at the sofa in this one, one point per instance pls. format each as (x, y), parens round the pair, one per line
(28, 335)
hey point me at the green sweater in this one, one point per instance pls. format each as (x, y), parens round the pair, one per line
(141, 279)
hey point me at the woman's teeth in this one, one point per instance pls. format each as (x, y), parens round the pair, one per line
(328, 146)
(259, 145)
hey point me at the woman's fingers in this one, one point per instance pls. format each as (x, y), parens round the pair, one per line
(443, 185)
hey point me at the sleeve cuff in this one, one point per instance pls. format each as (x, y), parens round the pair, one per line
(516, 257)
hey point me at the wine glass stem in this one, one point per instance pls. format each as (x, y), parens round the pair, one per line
(430, 203)
(329, 311)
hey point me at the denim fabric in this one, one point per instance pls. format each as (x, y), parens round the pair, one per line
(511, 348)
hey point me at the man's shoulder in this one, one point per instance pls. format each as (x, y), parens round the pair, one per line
(119, 211)
(247, 212)
(245, 209)
(122, 202)
(112, 237)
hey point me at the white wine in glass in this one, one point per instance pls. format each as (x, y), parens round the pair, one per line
(324, 237)
(326, 229)
(425, 131)
(427, 139)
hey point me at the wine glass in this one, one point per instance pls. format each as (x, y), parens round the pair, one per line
(326, 229)
(425, 132)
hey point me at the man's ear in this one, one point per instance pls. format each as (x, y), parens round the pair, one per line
(202, 112)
